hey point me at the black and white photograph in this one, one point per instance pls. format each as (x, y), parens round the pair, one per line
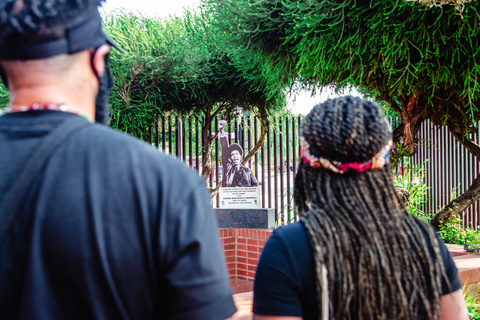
(234, 173)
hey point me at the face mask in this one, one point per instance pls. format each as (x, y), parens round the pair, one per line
(102, 110)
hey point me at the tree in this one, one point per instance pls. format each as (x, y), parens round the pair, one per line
(184, 65)
(424, 61)
(3, 96)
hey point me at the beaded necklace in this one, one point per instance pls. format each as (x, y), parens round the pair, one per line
(48, 106)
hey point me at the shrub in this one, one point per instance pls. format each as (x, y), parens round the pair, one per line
(472, 300)
(412, 181)
(453, 232)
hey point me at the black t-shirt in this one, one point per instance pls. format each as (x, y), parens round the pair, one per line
(111, 229)
(285, 278)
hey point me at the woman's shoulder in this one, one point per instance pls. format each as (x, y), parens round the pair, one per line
(286, 272)
(295, 229)
(293, 237)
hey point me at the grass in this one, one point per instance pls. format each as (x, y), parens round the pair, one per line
(472, 300)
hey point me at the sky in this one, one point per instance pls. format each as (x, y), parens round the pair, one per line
(160, 8)
(301, 103)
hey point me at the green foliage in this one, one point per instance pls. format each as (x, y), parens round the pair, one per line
(453, 232)
(472, 301)
(180, 65)
(145, 76)
(3, 96)
(388, 111)
(413, 181)
(399, 50)
(282, 113)
(473, 312)
(289, 213)
(473, 305)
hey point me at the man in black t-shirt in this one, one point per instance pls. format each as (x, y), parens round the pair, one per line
(107, 227)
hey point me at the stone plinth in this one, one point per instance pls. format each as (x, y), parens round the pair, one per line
(246, 218)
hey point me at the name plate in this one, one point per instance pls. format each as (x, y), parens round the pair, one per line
(240, 198)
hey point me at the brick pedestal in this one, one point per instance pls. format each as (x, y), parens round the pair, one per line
(242, 248)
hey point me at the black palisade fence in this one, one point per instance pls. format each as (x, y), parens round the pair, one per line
(449, 168)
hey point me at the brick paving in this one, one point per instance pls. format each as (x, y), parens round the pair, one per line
(239, 285)
(243, 297)
(243, 301)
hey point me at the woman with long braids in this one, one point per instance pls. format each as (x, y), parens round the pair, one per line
(354, 254)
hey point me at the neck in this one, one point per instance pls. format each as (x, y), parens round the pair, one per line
(45, 94)
(63, 79)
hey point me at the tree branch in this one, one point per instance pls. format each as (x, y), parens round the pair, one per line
(216, 190)
(470, 196)
(468, 143)
(220, 108)
(459, 204)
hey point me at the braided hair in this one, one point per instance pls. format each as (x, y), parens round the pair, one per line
(35, 21)
(372, 259)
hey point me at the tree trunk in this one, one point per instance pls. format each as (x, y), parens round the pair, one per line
(216, 190)
(207, 146)
(470, 196)
(405, 136)
(459, 204)
(469, 144)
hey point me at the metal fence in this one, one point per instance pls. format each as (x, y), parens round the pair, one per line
(449, 167)
(273, 165)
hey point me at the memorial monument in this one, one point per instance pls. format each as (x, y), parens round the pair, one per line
(239, 195)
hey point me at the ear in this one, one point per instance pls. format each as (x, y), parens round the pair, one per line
(98, 61)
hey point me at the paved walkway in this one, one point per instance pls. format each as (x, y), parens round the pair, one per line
(241, 285)
(243, 301)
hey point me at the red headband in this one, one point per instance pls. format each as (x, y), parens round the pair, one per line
(377, 162)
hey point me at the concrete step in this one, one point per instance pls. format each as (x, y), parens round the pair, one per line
(456, 250)
(468, 265)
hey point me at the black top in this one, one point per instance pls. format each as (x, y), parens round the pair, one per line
(112, 229)
(285, 278)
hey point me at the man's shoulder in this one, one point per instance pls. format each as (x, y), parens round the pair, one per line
(128, 153)
(115, 141)
(105, 136)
